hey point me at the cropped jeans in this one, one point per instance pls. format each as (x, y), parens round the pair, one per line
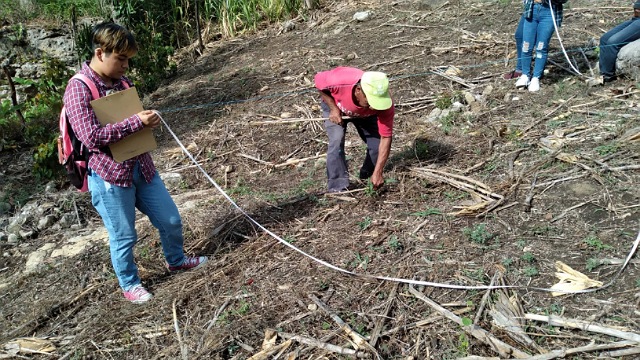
(337, 168)
(612, 41)
(537, 32)
(117, 207)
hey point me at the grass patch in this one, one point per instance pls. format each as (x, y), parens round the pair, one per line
(478, 234)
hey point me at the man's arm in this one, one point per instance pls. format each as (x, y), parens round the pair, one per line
(383, 154)
(335, 115)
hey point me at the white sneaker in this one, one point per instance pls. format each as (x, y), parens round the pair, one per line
(534, 85)
(523, 81)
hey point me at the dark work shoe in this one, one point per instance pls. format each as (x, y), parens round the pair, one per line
(512, 75)
(364, 175)
(609, 78)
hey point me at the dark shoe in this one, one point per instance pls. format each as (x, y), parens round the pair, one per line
(609, 78)
(512, 75)
(364, 175)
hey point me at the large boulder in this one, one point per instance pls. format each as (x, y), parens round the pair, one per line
(629, 60)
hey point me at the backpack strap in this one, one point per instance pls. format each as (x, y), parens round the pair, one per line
(92, 86)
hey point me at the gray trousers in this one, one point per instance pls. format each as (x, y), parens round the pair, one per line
(337, 168)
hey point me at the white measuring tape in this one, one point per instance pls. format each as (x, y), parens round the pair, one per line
(385, 278)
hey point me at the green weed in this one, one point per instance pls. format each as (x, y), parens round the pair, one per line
(360, 261)
(365, 223)
(592, 263)
(427, 212)
(530, 271)
(455, 195)
(463, 345)
(607, 149)
(477, 274)
(528, 257)
(478, 234)
(394, 243)
(594, 243)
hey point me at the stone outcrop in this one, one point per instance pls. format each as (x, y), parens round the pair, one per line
(628, 61)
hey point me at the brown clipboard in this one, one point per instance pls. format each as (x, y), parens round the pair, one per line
(115, 108)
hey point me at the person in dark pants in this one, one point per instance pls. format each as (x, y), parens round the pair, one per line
(613, 40)
(364, 97)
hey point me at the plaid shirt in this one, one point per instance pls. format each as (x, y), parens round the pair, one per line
(556, 5)
(87, 128)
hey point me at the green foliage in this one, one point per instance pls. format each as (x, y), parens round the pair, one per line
(594, 243)
(45, 161)
(530, 271)
(506, 262)
(52, 10)
(444, 102)
(463, 345)
(607, 149)
(528, 257)
(478, 233)
(369, 190)
(592, 263)
(40, 111)
(427, 212)
(394, 243)
(365, 223)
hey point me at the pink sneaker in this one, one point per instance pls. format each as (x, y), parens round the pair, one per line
(189, 263)
(137, 294)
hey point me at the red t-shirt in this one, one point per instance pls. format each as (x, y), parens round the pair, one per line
(340, 82)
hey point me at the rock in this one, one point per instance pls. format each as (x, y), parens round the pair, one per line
(456, 107)
(339, 29)
(362, 16)
(67, 220)
(26, 234)
(12, 239)
(435, 113)
(288, 26)
(628, 61)
(469, 98)
(3, 236)
(35, 259)
(16, 224)
(78, 244)
(171, 180)
(487, 91)
(50, 188)
(46, 222)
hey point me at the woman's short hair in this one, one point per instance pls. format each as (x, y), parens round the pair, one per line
(111, 37)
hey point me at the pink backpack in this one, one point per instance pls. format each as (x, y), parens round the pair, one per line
(72, 154)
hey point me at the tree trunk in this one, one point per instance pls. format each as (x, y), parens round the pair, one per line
(14, 97)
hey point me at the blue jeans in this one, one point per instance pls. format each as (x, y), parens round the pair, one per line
(337, 168)
(537, 30)
(613, 41)
(117, 207)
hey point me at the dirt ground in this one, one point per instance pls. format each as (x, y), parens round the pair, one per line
(577, 204)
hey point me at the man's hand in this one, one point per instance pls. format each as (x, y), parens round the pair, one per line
(149, 118)
(377, 180)
(335, 116)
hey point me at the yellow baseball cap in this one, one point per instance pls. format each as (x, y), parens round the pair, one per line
(375, 86)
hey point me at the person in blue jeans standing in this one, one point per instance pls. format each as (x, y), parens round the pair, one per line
(539, 16)
(119, 188)
(613, 40)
